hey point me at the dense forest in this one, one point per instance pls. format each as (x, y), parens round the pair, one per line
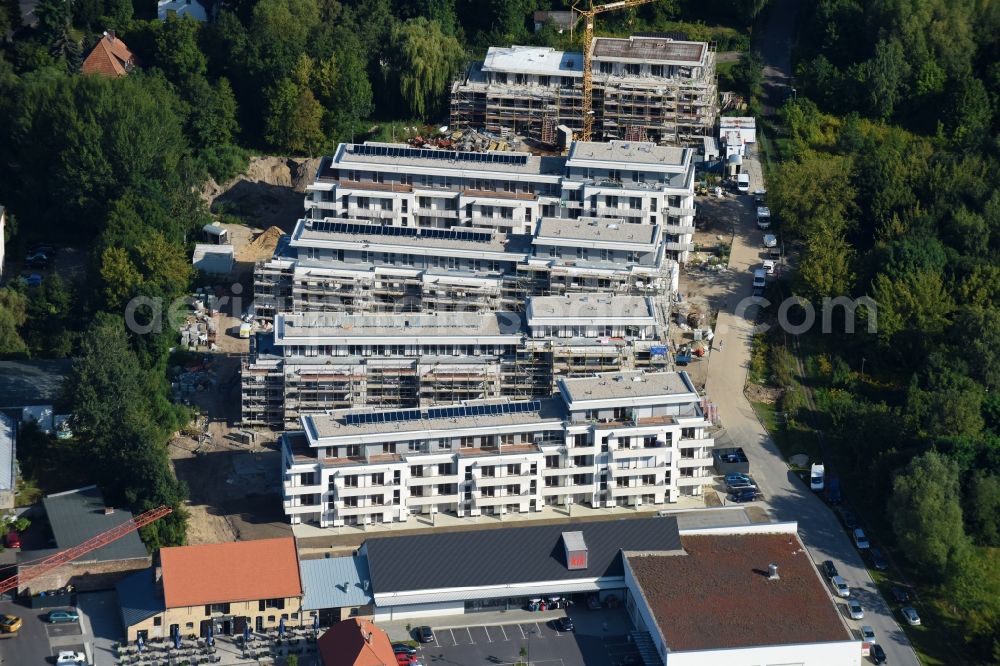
(113, 166)
(885, 185)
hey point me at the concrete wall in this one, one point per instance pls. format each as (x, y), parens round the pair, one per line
(412, 611)
(842, 653)
(84, 576)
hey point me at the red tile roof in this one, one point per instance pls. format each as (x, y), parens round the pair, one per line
(719, 596)
(230, 572)
(109, 58)
(347, 643)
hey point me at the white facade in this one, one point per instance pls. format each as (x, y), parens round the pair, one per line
(627, 439)
(631, 182)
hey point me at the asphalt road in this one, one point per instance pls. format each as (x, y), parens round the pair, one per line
(787, 497)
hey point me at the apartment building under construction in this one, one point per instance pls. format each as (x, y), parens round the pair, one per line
(645, 89)
(313, 362)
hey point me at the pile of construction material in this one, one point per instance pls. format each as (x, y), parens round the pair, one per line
(200, 328)
(467, 141)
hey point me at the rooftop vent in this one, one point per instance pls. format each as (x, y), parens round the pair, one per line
(576, 550)
(108, 510)
(772, 572)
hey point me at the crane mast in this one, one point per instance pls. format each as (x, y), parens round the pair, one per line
(588, 36)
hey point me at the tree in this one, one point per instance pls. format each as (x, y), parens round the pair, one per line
(916, 301)
(982, 508)
(427, 61)
(813, 193)
(883, 78)
(748, 75)
(967, 113)
(294, 119)
(352, 91)
(12, 316)
(176, 49)
(212, 122)
(826, 265)
(120, 276)
(926, 515)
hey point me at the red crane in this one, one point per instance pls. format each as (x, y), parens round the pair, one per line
(37, 568)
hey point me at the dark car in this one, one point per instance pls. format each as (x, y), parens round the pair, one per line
(42, 249)
(850, 520)
(900, 594)
(745, 495)
(37, 262)
(425, 635)
(403, 648)
(565, 624)
(833, 494)
(878, 559)
(830, 569)
(877, 654)
(13, 539)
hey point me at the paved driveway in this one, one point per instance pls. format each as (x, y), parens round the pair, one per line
(38, 641)
(787, 497)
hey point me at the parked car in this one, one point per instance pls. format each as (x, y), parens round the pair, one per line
(425, 635)
(741, 485)
(840, 586)
(743, 183)
(855, 609)
(403, 659)
(743, 495)
(593, 603)
(71, 658)
(37, 261)
(9, 624)
(758, 197)
(770, 240)
(878, 559)
(768, 266)
(403, 648)
(763, 217)
(868, 634)
(910, 613)
(60, 616)
(817, 474)
(565, 623)
(13, 539)
(734, 478)
(860, 540)
(900, 594)
(850, 520)
(829, 569)
(878, 654)
(833, 490)
(32, 279)
(47, 250)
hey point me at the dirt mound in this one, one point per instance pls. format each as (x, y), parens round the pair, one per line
(261, 247)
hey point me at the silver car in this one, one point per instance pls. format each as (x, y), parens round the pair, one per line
(840, 586)
(855, 609)
(910, 613)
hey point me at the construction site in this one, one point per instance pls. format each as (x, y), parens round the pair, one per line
(642, 89)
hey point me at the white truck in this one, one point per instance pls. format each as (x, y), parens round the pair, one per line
(763, 217)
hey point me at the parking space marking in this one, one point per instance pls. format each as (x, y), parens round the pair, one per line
(504, 633)
(487, 631)
(539, 630)
(522, 631)
(454, 642)
(468, 630)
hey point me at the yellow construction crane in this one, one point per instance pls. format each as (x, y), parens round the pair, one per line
(588, 36)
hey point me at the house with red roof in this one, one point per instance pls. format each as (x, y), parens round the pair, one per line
(109, 58)
(222, 586)
(356, 642)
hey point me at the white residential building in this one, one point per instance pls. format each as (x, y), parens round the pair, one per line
(181, 8)
(313, 362)
(644, 88)
(392, 184)
(619, 439)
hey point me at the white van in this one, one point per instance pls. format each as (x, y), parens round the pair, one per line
(763, 217)
(743, 182)
(817, 476)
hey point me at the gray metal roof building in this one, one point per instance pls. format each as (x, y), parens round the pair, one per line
(139, 597)
(335, 582)
(510, 556)
(8, 461)
(26, 383)
(78, 515)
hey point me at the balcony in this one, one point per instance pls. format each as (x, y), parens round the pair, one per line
(632, 491)
(499, 500)
(660, 453)
(432, 479)
(495, 221)
(616, 472)
(370, 213)
(359, 491)
(679, 229)
(427, 500)
(298, 509)
(688, 463)
(680, 247)
(679, 211)
(688, 481)
(502, 480)
(437, 212)
(294, 491)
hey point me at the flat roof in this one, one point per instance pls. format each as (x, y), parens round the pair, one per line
(581, 308)
(320, 426)
(511, 555)
(38, 382)
(650, 49)
(718, 595)
(737, 122)
(294, 328)
(533, 60)
(360, 232)
(335, 582)
(229, 572)
(636, 384)
(631, 152)
(8, 452)
(401, 154)
(78, 515)
(591, 229)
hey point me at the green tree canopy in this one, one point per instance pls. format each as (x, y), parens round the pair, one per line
(428, 59)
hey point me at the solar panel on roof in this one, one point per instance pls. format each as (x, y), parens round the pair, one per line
(429, 154)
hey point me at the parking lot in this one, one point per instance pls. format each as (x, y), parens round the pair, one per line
(38, 641)
(540, 642)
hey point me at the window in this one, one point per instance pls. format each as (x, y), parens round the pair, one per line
(217, 608)
(552, 462)
(267, 604)
(605, 67)
(157, 621)
(189, 625)
(378, 479)
(351, 481)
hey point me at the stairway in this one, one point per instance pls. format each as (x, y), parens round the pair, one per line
(644, 644)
